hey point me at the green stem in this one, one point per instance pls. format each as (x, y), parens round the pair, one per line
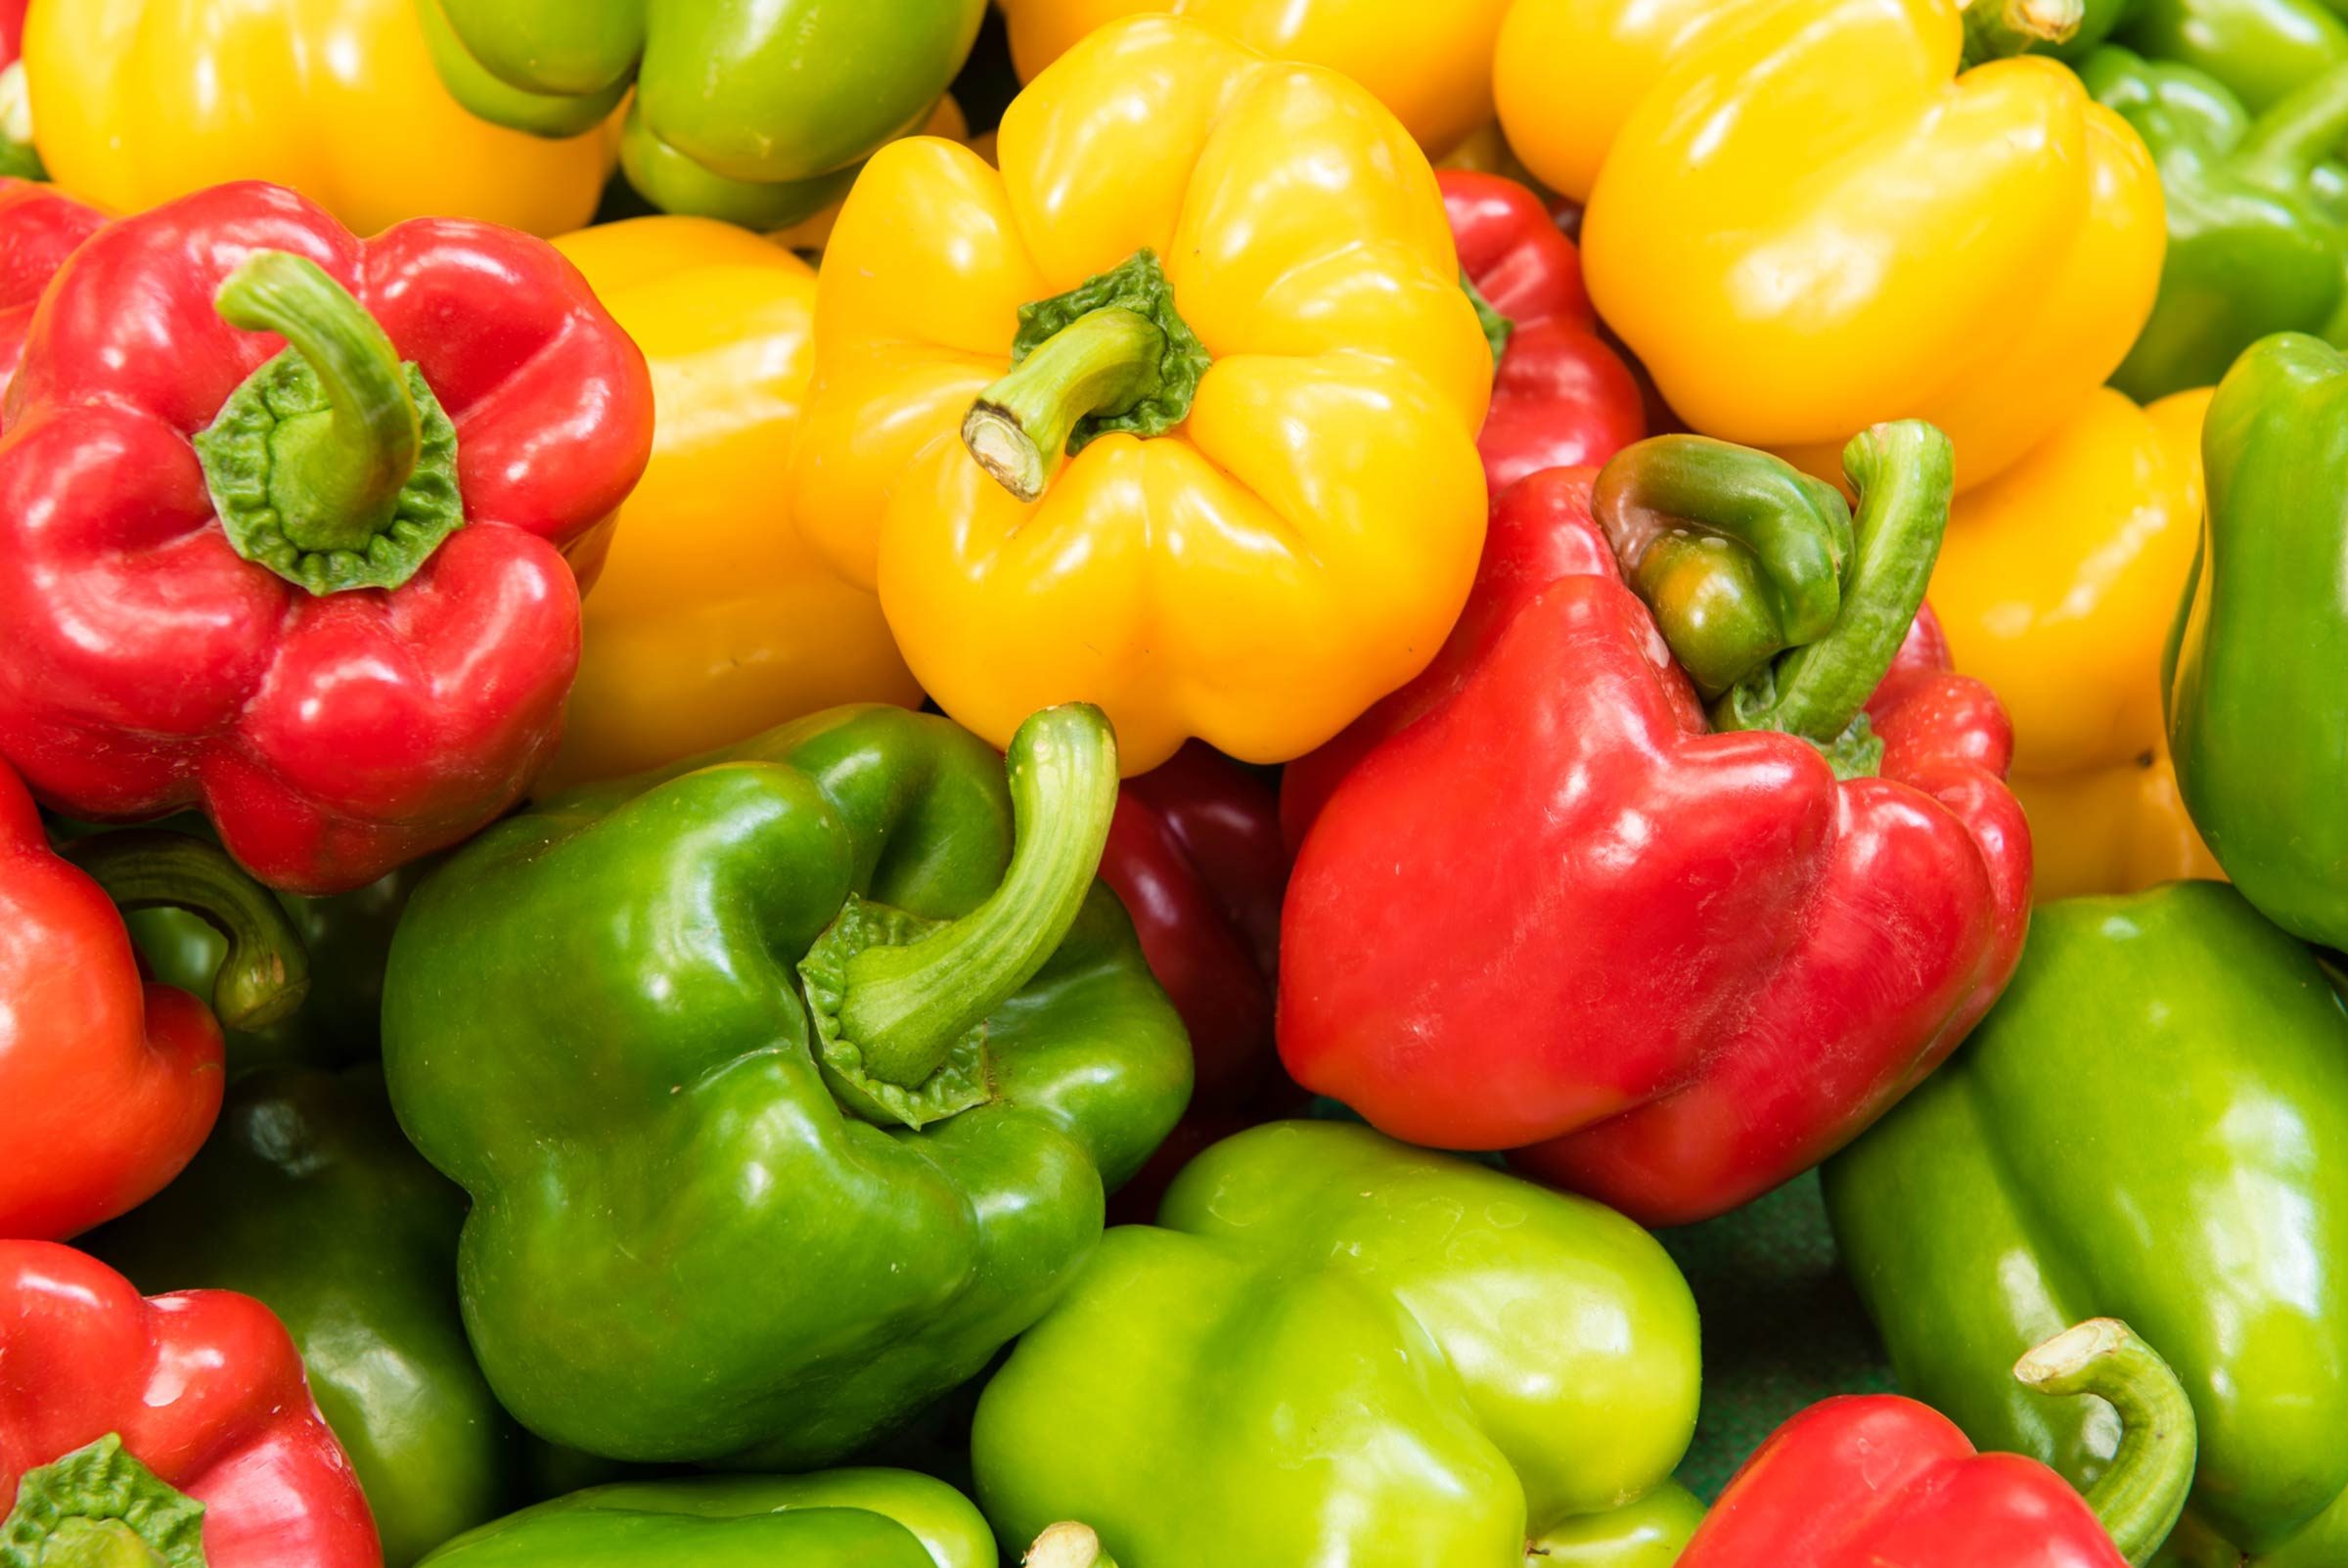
(1997, 30)
(99, 1508)
(267, 970)
(1738, 554)
(1104, 362)
(1498, 328)
(2285, 144)
(337, 480)
(2143, 1491)
(1067, 1544)
(1903, 473)
(906, 1006)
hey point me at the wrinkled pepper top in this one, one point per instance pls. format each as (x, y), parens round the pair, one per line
(1232, 297)
(707, 1225)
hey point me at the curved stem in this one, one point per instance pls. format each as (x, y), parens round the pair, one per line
(2140, 1494)
(2287, 142)
(906, 1006)
(1104, 362)
(1067, 1544)
(1738, 554)
(1904, 472)
(1996, 29)
(267, 970)
(336, 482)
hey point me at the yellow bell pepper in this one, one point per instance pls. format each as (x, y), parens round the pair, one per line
(2057, 584)
(1804, 220)
(714, 619)
(1429, 61)
(1252, 553)
(136, 102)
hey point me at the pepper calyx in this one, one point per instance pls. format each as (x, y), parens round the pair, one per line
(955, 1084)
(99, 1508)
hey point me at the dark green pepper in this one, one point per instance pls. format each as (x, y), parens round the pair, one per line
(2258, 236)
(307, 1199)
(2257, 708)
(839, 1519)
(764, 1156)
(758, 115)
(2152, 1124)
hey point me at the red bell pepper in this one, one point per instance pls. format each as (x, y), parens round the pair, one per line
(39, 227)
(1878, 1480)
(109, 1084)
(1560, 395)
(1552, 912)
(316, 591)
(134, 1430)
(1196, 856)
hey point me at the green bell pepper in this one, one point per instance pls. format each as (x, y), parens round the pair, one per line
(2261, 50)
(307, 1199)
(2152, 1124)
(758, 115)
(1333, 1348)
(838, 1519)
(785, 1089)
(2257, 710)
(2258, 233)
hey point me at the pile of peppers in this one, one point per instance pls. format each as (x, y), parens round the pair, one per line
(1174, 783)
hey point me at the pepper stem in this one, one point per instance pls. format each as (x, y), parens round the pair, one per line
(99, 1508)
(2285, 144)
(2143, 1491)
(1497, 328)
(1104, 362)
(1904, 472)
(1067, 1544)
(335, 480)
(1738, 554)
(906, 1006)
(267, 970)
(1997, 30)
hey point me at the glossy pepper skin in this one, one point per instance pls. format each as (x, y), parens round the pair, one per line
(369, 630)
(834, 1519)
(1625, 1024)
(2260, 50)
(2057, 585)
(1313, 1358)
(309, 1200)
(39, 227)
(1430, 65)
(2148, 1125)
(136, 103)
(1871, 1481)
(757, 114)
(112, 1079)
(1252, 551)
(1561, 397)
(2257, 723)
(714, 619)
(773, 1250)
(204, 1392)
(2258, 220)
(1816, 189)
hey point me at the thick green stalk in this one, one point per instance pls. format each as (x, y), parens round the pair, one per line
(267, 970)
(2143, 1491)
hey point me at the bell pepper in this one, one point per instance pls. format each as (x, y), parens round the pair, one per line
(714, 619)
(1814, 864)
(137, 101)
(1802, 220)
(309, 1200)
(2260, 50)
(1561, 397)
(1319, 1354)
(2257, 722)
(2152, 1124)
(838, 1519)
(173, 1431)
(777, 1237)
(314, 589)
(108, 1083)
(1195, 855)
(2055, 584)
(1431, 64)
(1236, 304)
(1872, 1480)
(2258, 227)
(757, 114)
(39, 227)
